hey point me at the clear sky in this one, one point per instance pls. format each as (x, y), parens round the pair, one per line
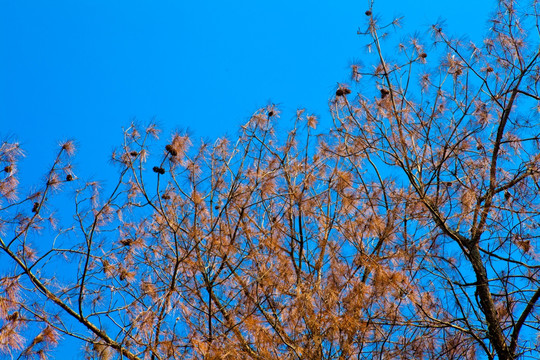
(84, 69)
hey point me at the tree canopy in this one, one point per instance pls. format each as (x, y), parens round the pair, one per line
(408, 230)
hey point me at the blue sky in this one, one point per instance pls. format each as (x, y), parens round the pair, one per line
(85, 69)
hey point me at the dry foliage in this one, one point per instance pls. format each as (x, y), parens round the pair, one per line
(406, 231)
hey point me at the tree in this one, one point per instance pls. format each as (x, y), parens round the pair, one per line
(408, 230)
